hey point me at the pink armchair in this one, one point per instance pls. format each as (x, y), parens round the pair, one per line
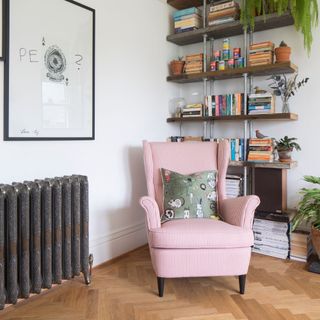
(196, 247)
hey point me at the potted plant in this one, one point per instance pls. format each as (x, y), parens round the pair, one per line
(285, 146)
(282, 53)
(176, 66)
(304, 13)
(309, 210)
(286, 88)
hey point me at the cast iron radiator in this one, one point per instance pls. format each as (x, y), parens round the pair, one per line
(43, 235)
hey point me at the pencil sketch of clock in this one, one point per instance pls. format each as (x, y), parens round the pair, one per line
(55, 62)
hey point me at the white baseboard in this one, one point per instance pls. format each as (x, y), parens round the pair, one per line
(118, 242)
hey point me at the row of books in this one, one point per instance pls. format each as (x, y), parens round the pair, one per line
(261, 53)
(236, 148)
(224, 105)
(194, 63)
(234, 186)
(272, 234)
(261, 150)
(187, 20)
(261, 103)
(222, 12)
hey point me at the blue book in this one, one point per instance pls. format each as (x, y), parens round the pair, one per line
(263, 107)
(189, 16)
(233, 149)
(186, 12)
(179, 30)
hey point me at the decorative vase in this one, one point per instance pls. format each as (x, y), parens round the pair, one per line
(315, 236)
(282, 54)
(285, 155)
(285, 107)
(176, 67)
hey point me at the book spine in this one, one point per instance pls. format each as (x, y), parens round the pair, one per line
(222, 6)
(186, 12)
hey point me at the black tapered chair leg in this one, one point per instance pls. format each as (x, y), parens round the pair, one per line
(242, 283)
(160, 286)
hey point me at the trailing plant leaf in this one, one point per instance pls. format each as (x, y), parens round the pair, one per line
(304, 12)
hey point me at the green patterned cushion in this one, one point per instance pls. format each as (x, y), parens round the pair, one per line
(188, 196)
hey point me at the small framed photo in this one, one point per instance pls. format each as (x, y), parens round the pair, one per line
(49, 80)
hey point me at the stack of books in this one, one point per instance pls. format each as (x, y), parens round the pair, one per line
(187, 20)
(261, 53)
(261, 103)
(298, 245)
(261, 150)
(194, 63)
(222, 12)
(233, 186)
(224, 105)
(272, 234)
(192, 110)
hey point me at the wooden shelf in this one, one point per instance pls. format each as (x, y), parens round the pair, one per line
(272, 116)
(264, 70)
(269, 165)
(183, 4)
(230, 29)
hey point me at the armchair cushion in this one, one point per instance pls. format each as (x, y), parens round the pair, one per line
(188, 196)
(198, 234)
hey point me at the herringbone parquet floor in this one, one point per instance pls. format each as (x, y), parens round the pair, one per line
(126, 290)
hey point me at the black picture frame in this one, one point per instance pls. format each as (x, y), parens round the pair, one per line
(6, 50)
(3, 31)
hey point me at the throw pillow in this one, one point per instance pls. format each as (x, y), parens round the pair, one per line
(188, 196)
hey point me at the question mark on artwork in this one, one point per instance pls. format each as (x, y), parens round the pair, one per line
(79, 60)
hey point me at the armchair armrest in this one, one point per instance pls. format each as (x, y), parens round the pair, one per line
(239, 211)
(152, 212)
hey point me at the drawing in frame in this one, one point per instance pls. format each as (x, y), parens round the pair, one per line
(49, 84)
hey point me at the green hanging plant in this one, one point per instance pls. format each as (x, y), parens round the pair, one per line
(304, 12)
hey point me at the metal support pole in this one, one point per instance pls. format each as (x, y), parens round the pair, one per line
(245, 135)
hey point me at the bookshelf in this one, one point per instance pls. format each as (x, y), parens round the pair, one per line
(264, 70)
(272, 21)
(210, 34)
(271, 116)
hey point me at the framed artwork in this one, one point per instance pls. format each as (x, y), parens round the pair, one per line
(49, 80)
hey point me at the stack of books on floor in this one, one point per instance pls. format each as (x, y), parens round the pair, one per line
(261, 53)
(224, 105)
(233, 186)
(272, 234)
(261, 150)
(192, 110)
(298, 245)
(187, 20)
(194, 63)
(222, 12)
(261, 103)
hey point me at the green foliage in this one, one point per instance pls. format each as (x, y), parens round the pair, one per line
(304, 12)
(309, 206)
(287, 143)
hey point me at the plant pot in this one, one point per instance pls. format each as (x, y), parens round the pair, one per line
(176, 67)
(315, 236)
(283, 54)
(285, 155)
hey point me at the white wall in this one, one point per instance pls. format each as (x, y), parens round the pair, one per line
(305, 104)
(131, 105)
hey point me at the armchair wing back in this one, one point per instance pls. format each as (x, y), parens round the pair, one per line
(185, 158)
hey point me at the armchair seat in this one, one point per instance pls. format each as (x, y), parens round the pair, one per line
(199, 234)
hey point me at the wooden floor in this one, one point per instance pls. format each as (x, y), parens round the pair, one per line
(276, 289)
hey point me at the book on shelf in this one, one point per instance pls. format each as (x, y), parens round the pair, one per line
(261, 53)
(180, 30)
(261, 150)
(192, 110)
(236, 148)
(190, 16)
(234, 186)
(194, 63)
(219, 13)
(224, 105)
(272, 234)
(186, 12)
(261, 103)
